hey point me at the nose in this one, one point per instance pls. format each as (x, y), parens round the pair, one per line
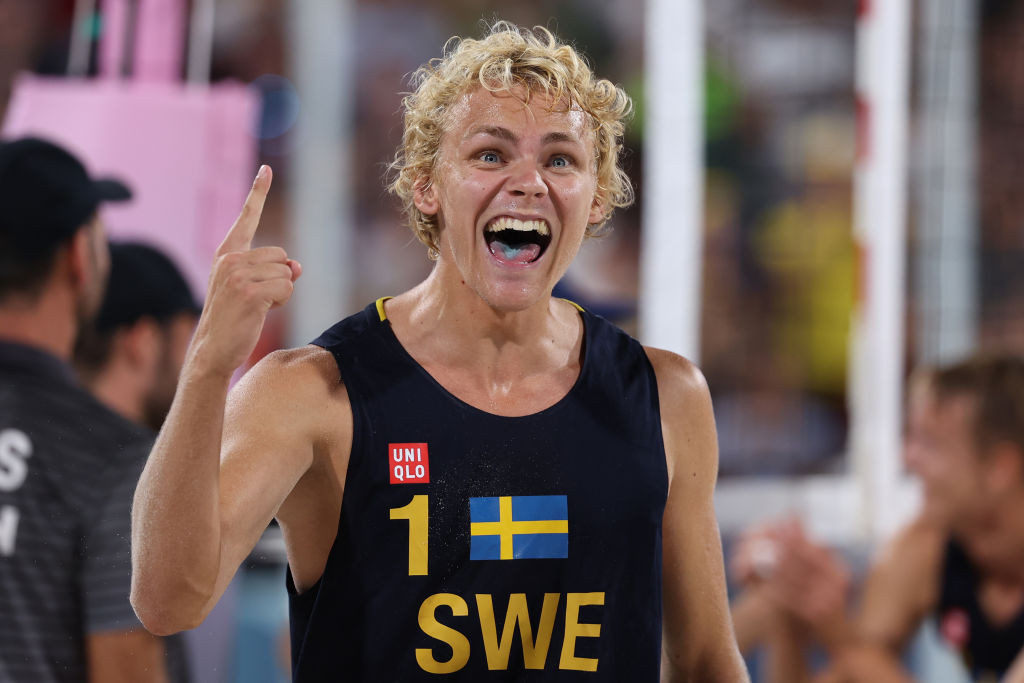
(525, 180)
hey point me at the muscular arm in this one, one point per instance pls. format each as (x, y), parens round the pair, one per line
(203, 501)
(900, 590)
(698, 638)
(211, 484)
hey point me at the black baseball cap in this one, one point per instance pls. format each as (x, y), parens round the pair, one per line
(143, 282)
(46, 195)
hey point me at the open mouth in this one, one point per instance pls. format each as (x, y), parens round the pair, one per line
(511, 240)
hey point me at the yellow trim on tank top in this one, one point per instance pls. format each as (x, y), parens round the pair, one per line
(380, 307)
(384, 316)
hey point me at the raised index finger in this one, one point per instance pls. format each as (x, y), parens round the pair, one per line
(239, 237)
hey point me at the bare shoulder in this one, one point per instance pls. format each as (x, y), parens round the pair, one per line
(678, 378)
(307, 368)
(317, 427)
(287, 376)
(688, 423)
(300, 388)
(698, 641)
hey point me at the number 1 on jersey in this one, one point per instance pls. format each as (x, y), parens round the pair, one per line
(417, 513)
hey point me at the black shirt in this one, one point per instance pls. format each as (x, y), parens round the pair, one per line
(484, 547)
(987, 650)
(68, 470)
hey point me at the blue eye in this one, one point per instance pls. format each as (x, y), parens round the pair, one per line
(560, 162)
(489, 157)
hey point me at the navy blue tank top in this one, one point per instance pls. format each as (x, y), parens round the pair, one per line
(987, 650)
(476, 547)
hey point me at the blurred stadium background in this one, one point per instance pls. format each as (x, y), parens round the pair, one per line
(828, 195)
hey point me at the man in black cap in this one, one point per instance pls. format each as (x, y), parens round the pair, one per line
(131, 355)
(68, 465)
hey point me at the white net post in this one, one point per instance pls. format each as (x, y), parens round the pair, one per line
(672, 236)
(320, 38)
(880, 189)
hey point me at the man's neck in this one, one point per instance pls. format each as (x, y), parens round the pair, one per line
(48, 323)
(998, 548)
(117, 391)
(507, 363)
(477, 334)
(1014, 541)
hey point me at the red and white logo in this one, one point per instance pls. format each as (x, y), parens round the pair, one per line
(955, 627)
(409, 463)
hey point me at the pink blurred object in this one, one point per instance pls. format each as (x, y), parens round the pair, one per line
(187, 151)
(159, 39)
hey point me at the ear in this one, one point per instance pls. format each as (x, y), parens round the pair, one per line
(596, 210)
(425, 197)
(78, 254)
(141, 344)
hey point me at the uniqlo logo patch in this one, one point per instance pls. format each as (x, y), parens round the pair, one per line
(409, 463)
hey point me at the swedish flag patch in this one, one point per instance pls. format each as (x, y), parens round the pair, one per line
(518, 527)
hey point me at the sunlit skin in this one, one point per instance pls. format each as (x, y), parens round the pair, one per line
(501, 157)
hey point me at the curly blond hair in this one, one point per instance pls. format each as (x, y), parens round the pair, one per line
(508, 57)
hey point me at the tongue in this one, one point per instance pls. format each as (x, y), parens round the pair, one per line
(517, 253)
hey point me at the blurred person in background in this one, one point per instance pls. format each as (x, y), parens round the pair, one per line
(960, 560)
(130, 356)
(68, 464)
(472, 446)
(774, 564)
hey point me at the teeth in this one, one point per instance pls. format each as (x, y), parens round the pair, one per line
(506, 223)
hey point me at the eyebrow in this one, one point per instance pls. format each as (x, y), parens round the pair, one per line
(505, 134)
(494, 132)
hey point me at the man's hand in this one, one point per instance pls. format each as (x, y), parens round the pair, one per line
(804, 580)
(245, 283)
(756, 554)
(810, 580)
(192, 525)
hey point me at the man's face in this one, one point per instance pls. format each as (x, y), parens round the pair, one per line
(514, 190)
(175, 334)
(940, 448)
